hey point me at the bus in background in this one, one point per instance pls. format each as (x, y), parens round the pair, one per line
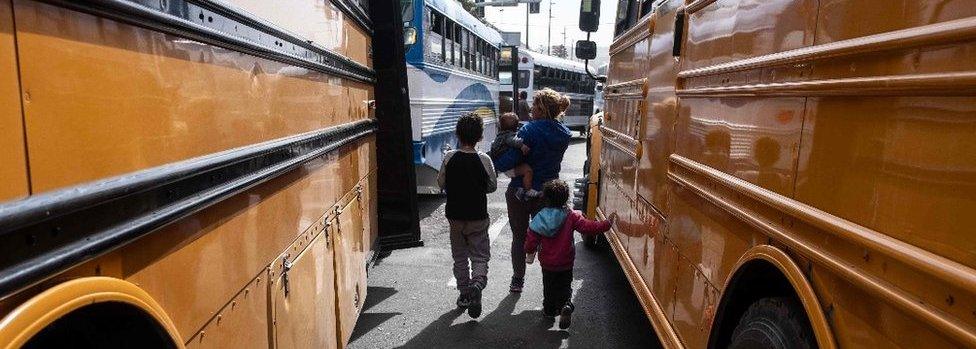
(452, 69)
(598, 102)
(168, 181)
(793, 173)
(537, 71)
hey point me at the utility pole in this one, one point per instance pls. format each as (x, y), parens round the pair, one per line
(549, 30)
(527, 26)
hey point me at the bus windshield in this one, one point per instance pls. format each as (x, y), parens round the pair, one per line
(505, 77)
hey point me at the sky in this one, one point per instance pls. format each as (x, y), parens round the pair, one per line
(565, 16)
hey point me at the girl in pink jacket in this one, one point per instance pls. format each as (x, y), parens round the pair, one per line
(551, 233)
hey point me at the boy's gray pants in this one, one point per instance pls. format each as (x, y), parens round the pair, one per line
(469, 240)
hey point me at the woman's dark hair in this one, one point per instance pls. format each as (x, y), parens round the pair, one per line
(555, 193)
(469, 128)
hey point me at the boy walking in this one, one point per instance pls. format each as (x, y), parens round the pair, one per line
(467, 176)
(551, 233)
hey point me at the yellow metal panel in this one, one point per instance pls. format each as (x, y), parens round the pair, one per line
(305, 317)
(228, 244)
(109, 98)
(350, 268)
(13, 169)
(242, 323)
(317, 20)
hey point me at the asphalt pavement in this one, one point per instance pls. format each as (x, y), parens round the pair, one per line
(411, 294)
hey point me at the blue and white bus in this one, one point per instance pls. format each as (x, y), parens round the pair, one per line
(538, 70)
(452, 69)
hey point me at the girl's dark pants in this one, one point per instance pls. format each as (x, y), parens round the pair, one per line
(556, 290)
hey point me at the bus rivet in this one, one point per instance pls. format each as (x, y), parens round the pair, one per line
(219, 318)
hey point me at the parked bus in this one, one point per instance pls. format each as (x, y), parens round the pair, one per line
(794, 173)
(452, 68)
(537, 71)
(185, 173)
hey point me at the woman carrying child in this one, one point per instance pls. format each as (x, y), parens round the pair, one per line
(547, 140)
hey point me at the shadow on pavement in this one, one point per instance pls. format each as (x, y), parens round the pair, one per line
(498, 329)
(427, 204)
(369, 321)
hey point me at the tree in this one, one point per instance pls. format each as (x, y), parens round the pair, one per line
(560, 51)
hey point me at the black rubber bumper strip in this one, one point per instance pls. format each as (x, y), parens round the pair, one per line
(49, 233)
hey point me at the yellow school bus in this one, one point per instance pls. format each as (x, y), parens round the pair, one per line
(794, 173)
(185, 173)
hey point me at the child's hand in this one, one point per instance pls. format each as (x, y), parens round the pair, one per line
(612, 219)
(525, 149)
(529, 258)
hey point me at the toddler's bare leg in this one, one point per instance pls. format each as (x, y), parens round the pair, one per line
(525, 171)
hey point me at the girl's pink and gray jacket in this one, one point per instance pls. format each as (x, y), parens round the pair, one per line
(552, 230)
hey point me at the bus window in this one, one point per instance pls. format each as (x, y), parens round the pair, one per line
(435, 37)
(458, 40)
(523, 78)
(623, 12)
(450, 42)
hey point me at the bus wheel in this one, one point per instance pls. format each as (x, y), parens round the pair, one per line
(774, 322)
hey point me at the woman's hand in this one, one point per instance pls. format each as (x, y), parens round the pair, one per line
(525, 149)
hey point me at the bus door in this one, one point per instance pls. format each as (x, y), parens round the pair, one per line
(508, 76)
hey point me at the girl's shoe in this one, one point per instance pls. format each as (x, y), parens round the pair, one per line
(463, 301)
(566, 316)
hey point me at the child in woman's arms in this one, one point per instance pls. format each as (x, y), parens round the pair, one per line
(551, 233)
(506, 154)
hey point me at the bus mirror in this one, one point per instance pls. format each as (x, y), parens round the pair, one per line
(409, 36)
(589, 18)
(585, 49)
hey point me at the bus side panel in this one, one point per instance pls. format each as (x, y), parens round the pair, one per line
(848, 19)
(908, 166)
(907, 163)
(242, 324)
(229, 243)
(656, 129)
(729, 30)
(350, 257)
(316, 20)
(13, 173)
(109, 98)
(752, 138)
(305, 315)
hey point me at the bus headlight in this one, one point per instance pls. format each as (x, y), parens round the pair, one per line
(409, 36)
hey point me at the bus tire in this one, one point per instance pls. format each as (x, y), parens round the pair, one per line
(774, 322)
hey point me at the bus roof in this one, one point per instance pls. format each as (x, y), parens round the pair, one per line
(555, 62)
(453, 10)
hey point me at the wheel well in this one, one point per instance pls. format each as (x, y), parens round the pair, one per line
(755, 280)
(103, 325)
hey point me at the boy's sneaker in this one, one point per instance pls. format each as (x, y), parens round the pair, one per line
(463, 301)
(520, 194)
(532, 194)
(566, 316)
(474, 307)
